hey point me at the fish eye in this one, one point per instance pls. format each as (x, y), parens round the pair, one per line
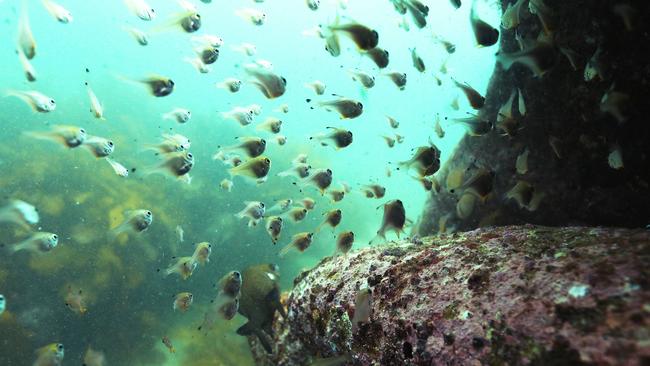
(55, 237)
(148, 213)
(263, 142)
(81, 130)
(52, 101)
(304, 210)
(261, 204)
(59, 346)
(284, 81)
(329, 171)
(189, 155)
(267, 160)
(360, 105)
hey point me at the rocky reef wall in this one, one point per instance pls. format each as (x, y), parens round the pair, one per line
(587, 106)
(509, 295)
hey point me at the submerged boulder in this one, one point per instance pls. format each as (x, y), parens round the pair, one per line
(580, 129)
(499, 296)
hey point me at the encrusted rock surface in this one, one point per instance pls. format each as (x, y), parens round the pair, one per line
(497, 296)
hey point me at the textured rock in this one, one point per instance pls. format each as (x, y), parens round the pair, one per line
(579, 186)
(498, 296)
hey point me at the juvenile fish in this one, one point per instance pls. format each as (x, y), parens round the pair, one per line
(176, 164)
(183, 301)
(20, 213)
(271, 124)
(179, 115)
(118, 168)
(98, 146)
(42, 242)
(202, 253)
(50, 355)
(254, 212)
(340, 137)
(345, 107)
(68, 136)
(183, 267)
(36, 100)
(231, 84)
(362, 308)
(332, 219)
(57, 11)
(96, 107)
(344, 241)
(135, 221)
(252, 146)
(300, 242)
(394, 219)
(485, 34)
(256, 168)
(269, 83)
(274, 226)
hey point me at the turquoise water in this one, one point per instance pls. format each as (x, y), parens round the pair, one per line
(80, 198)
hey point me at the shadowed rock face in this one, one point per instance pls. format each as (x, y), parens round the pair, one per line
(579, 186)
(508, 295)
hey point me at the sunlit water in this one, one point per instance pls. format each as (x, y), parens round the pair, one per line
(80, 198)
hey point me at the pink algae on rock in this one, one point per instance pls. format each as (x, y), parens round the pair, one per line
(494, 296)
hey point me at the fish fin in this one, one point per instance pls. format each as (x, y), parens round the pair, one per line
(22, 96)
(264, 340)
(285, 250)
(246, 329)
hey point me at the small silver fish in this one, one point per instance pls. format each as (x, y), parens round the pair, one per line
(68, 136)
(19, 212)
(179, 115)
(254, 211)
(99, 146)
(180, 233)
(36, 100)
(135, 221)
(37, 242)
(118, 168)
(57, 11)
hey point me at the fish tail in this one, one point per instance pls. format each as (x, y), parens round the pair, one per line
(20, 95)
(117, 231)
(40, 135)
(285, 173)
(285, 250)
(16, 247)
(170, 270)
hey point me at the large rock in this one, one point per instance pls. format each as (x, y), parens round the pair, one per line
(498, 296)
(564, 110)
